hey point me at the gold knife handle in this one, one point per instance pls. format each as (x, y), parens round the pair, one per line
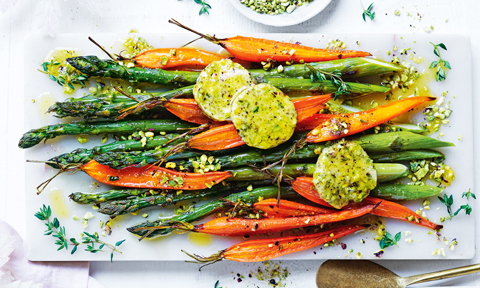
(442, 274)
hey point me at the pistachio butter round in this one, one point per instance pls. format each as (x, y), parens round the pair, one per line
(263, 115)
(344, 173)
(217, 84)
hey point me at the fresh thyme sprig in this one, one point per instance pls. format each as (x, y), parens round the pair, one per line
(469, 194)
(74, 78)
(440, 75)
(57, 231)
(448, 201)
(335, 77)
(388, 240)
(205, 7)
(368, 13)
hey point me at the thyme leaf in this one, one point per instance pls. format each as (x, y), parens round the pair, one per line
(388, 240)
(368, 13)
(205, 7)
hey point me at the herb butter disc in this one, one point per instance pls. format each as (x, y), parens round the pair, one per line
(217, 84)
(344, 174)
(263, 115)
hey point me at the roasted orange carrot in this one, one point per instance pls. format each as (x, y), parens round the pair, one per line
(312, 122)
(225, 226)
(218, 138)
(226, 136)
(187, 110)
(174, 57)
(266, 249)
(152, 177)
(287, 209)
(257, 50)
(304, 186)
(343, 125)
(307, 107)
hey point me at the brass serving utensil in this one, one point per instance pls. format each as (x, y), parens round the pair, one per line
(362, 273)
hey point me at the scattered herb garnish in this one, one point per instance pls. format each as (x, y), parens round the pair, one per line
(204, 8)
(57, 231)
(440, 75)
(389, 240)
(335, 77)
(74, 78)
(216, 284)
(448, 201)
(368, 13)
(469, 194)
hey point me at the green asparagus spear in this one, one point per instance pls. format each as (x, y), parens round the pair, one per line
(371, 143)
(405, 192)
(35, 136)
(385, 172)
(343, 108)
(120, 207)
(301, 87)
(105, 105)
(92, 66)
(83, 155)
(407, 155)
(349, 68)
(198, 213)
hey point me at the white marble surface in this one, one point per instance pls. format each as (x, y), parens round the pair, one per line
(151, 16)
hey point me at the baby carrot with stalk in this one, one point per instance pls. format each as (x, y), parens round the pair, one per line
(140, 177)
(304, 186)
(258, 50)
(153, 177)
(343, 125)
(188, 110)
(266, 249)
(225, 226)
(332, 126)
(174, 57)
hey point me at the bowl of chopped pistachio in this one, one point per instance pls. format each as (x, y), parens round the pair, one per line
(280, 13)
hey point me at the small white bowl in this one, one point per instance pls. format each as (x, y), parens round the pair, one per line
(299, 15)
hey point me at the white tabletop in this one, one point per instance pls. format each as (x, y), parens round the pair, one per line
(341, 16)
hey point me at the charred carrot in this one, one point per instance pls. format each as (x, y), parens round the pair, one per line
(257, 50)
(225, 226)
(226, 136)
(174, 57)
(287, 208)
(351, 123)
(307, 107)
(152, 177)
(187, 110)
(304, 186)
(312, 122)
(266, 249)
(218, 138)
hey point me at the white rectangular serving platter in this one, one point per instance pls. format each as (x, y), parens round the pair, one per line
(42, 248)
